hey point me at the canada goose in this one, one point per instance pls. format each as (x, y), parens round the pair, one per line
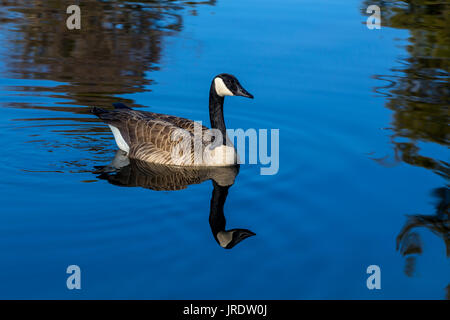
(170, 140)
(123, 171)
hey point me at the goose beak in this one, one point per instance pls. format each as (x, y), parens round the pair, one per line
(243, 93)
(238, 236)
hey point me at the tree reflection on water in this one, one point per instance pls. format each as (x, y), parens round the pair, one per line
(118, 46)
(119, 42)
(418, 95)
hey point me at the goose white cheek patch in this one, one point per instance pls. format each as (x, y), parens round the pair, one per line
(221, 88)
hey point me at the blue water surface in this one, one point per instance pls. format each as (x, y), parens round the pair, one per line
(331, 211)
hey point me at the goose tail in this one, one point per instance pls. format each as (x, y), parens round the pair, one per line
(119, 105)
(98, 111)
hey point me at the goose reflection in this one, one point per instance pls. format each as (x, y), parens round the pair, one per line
(123, 171)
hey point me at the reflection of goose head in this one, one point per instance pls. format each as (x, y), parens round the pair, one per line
(228, 239)
(123, 171)
(225, 238)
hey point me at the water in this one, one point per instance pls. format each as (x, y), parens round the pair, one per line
(363, 119)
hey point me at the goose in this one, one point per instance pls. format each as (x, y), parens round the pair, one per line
(128, 172)
(170, 140)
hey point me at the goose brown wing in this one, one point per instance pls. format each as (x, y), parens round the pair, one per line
(149, 138)
(154, 140)
(179, 122)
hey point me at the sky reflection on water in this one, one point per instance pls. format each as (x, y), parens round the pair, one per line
(363, 119)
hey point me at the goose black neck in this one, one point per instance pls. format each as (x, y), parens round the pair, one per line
(216, 112)
(216, 215)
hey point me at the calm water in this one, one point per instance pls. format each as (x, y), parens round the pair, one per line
(363, 179)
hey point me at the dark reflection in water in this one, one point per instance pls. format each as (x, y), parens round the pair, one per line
(126, 172)
(118, 43)
(419, 96)
(419, 93)
(408, 241)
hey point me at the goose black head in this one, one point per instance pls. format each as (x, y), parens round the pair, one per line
(227, 85)
(228, 239)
